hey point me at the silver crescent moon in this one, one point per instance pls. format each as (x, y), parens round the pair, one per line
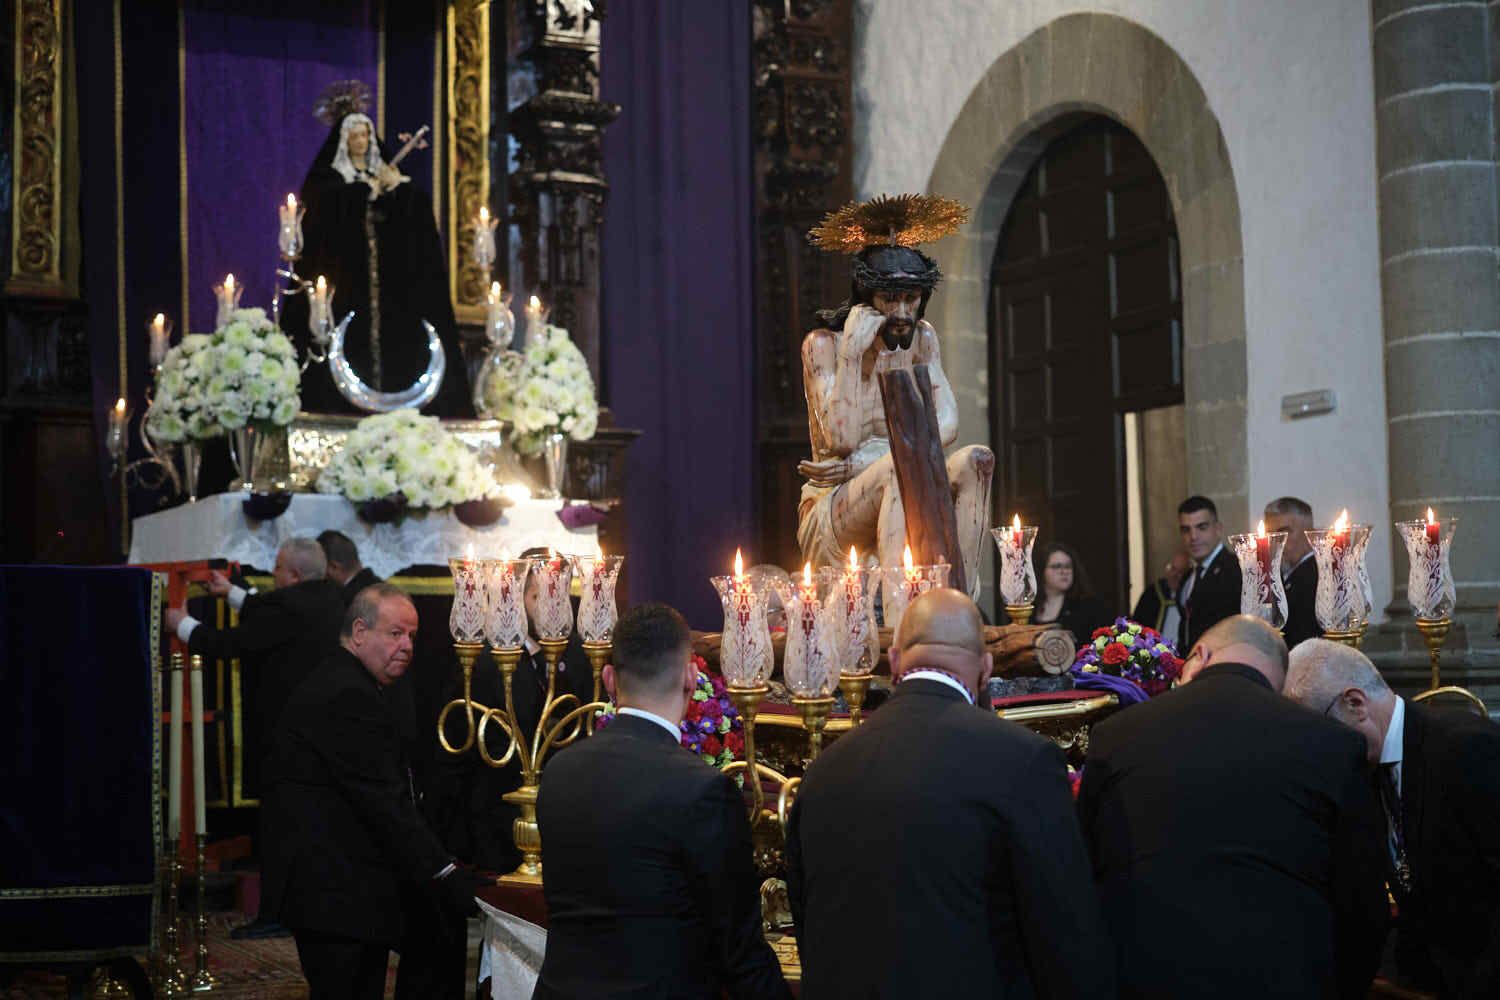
(353, 388)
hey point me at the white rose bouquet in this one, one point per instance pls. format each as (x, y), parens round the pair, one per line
(211, 383)
(405, 452)
(550, 391)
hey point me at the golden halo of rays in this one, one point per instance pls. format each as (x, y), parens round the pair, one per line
(905, 220)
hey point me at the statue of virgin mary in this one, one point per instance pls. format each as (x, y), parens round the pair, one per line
(370, 232)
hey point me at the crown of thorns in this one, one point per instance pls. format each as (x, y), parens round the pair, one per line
(342, 98)
(906, 220)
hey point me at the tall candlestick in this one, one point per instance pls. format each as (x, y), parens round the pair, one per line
(174, 752)
(200, 807)
(159, 330)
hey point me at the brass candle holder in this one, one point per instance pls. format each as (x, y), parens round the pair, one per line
(170, 976)
(203, 980)
(1020, 614)
(1349, 637)
(598, 654)
(747, 701)
(1434, 633)
(814, 719)
(855, 687)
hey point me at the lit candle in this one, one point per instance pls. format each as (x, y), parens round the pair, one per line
(535, 316)
(200, 803)
(740, 583)
(466, 618)
(484, 238)
(160, 331)
(809, 593)
(1263, 550)
(1341, 531)
(1016, 537)
(117, 418)
(1434, 530)
(289, 231)
(228, 296)
(912, 574)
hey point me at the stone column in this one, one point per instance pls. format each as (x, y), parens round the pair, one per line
(1435, 65)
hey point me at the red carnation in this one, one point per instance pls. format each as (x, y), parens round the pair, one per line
(712, 745)
(700, 663)
(710, 709)
(735, 741)
(1115, 654)
(1100, 632)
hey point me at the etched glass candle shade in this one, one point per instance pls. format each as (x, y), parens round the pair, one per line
(1261, 590)
(1361, 538)
(1340, 599)
(596, 606)
(1017, 574)
(505, 624)
(466, 619)
(904, 584)
(745, 648)
(1429, 583)
(811, 662)
(851, 602)
(554, 609)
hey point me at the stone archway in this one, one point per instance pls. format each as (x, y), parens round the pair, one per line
(1106, 65)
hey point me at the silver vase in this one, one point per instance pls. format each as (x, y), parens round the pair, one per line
(243, 445)
(555, 452)
(191, 459)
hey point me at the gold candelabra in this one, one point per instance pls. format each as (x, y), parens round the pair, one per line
(531, 751)
(203, 980)
(1434, 632)
(1352, 638)
(1020, 614)
(598, 654)
(855, 687)
(814, 713)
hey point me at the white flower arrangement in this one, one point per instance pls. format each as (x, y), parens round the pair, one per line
(243, 374)
(547, 390)
(405, 452)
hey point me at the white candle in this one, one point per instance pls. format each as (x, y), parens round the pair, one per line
(289, 233)
(228, 296)
(200, 808)
(484, 238)
(318, 314)
(160, 330)
(535, 316)
(174, 751)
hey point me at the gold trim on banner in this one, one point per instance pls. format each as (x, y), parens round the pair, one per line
(97, 955)
(380, 69)
(182, 175)
(221, 738)
(468, 127)
(439, 200)
(158, 679)
(80, 891)
(420, 586)
(120, 252)
(36, 221)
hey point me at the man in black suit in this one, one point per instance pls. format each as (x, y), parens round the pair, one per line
(1157, 606)
(344, 567)
(281, 637)
(934, 851)
(1211, 592)
(649, 884)
(1234, 834)
(1299, 570)
(346, 852)
(1438, 773)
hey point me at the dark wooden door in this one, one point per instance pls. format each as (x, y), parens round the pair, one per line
(1085, 325)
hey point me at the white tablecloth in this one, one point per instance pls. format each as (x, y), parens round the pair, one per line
(216, 527)
(512, 953)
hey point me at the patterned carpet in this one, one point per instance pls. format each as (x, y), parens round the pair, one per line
(266, 969)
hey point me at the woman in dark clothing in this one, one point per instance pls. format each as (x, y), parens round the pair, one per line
(1064, 597)
(370, 232)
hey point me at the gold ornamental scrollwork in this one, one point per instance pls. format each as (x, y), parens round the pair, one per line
(468, 131)
(35, 238)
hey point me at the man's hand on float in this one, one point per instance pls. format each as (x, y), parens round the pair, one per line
(828, 472)
(174, 618)
(861, 327)
(218, 583)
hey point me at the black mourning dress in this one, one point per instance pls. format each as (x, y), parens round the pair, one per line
(386, 263)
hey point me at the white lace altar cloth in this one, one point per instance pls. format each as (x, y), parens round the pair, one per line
(216, 527)
(511, 956)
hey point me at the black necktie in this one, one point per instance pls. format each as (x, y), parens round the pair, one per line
(1391, 799)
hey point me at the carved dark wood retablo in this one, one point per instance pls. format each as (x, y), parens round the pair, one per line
(803, 169)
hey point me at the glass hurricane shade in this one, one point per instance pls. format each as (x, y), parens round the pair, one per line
(597, 576)
(745, 655)
(1429, 581)
(1262, 594)
(1017, 574)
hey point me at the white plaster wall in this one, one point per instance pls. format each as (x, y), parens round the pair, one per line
(1291, 84)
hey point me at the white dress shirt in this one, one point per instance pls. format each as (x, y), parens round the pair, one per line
(641, 713)
(235, 597)
(940, 677)
(1395, 742)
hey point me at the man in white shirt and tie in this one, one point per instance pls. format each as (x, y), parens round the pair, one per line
(1211, 592)
(1438, 774)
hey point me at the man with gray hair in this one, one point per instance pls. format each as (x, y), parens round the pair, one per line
(1234, 836)
(1438, 773)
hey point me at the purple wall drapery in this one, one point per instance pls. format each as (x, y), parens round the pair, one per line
(677, 290)
(252, 76)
